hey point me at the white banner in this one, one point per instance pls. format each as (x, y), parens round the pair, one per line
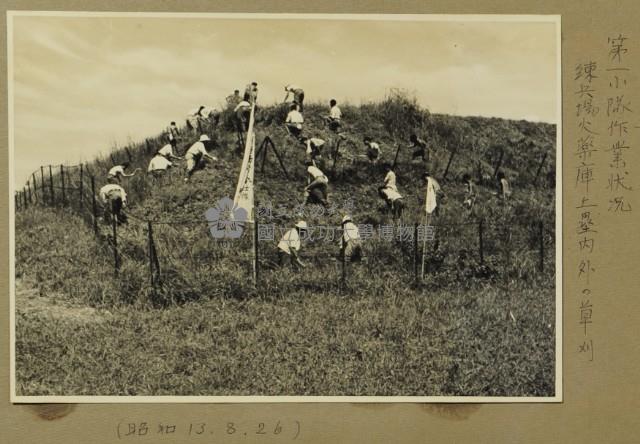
(432, 188)
(244, 191)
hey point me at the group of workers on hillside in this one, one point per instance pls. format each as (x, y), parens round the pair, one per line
(114, 196)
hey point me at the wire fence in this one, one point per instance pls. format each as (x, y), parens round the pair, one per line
(183, 261)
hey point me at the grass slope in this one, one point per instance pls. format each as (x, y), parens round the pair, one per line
(207, 331)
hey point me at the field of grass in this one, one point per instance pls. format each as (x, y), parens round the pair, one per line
(471, 328)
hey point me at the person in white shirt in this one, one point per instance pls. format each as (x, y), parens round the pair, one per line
(390, 178)
(389, 192)
(290, 244)
(298, 95)
(317, 190)
(294, 121)
(195, 154)
(335, 116)
(159, 165)
(114, 199)
(194, 117)
(251, 92)
(350, 244)
(313, 147)
(233, 99)
(117, 172)
(167, 152)
(243, 113)
(373, 150)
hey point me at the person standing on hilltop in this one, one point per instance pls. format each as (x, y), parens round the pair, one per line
(173, 134)
(334, 120)
(294, 121)
(251, 92)
(117, 172)
(114, 199)
(195, 154)
(289, 245)
(233, 99)
(298, 95)
(243, 113)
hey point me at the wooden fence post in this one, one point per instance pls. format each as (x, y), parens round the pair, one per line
(80, 187)
(35, 187)
(64, 198)
(29, 190)
(114, 219)
(541, 235)
(544, 158)
(94, 205)
(446, 170)
(43, 188)
(415, 252)
(150, 244)
(51, 186)
(480, 241)
(343, 283)
(256, 254)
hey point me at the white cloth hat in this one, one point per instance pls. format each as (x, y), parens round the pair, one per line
(346, 218)
(204, 138)
(301, 224)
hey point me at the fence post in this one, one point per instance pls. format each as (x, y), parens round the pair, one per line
(35, 187)
(256, 266)
(506, 256)
(29, 190)
(415, 252)
(42, 187)
(94, 205)
(24, 195)
(541, 235)
(114, 220)
(343, 281)
(80, 186)
(480, 241)
(150, 242)
(446, 170)
(64, 198)
(51, 186)
(544, 158)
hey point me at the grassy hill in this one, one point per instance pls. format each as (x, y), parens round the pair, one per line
(298, 333)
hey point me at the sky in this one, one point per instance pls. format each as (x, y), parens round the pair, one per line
(83, 85)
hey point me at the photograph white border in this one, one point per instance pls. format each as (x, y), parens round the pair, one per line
(558, 397)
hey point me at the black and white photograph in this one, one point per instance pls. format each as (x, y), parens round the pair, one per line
(285, 207)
